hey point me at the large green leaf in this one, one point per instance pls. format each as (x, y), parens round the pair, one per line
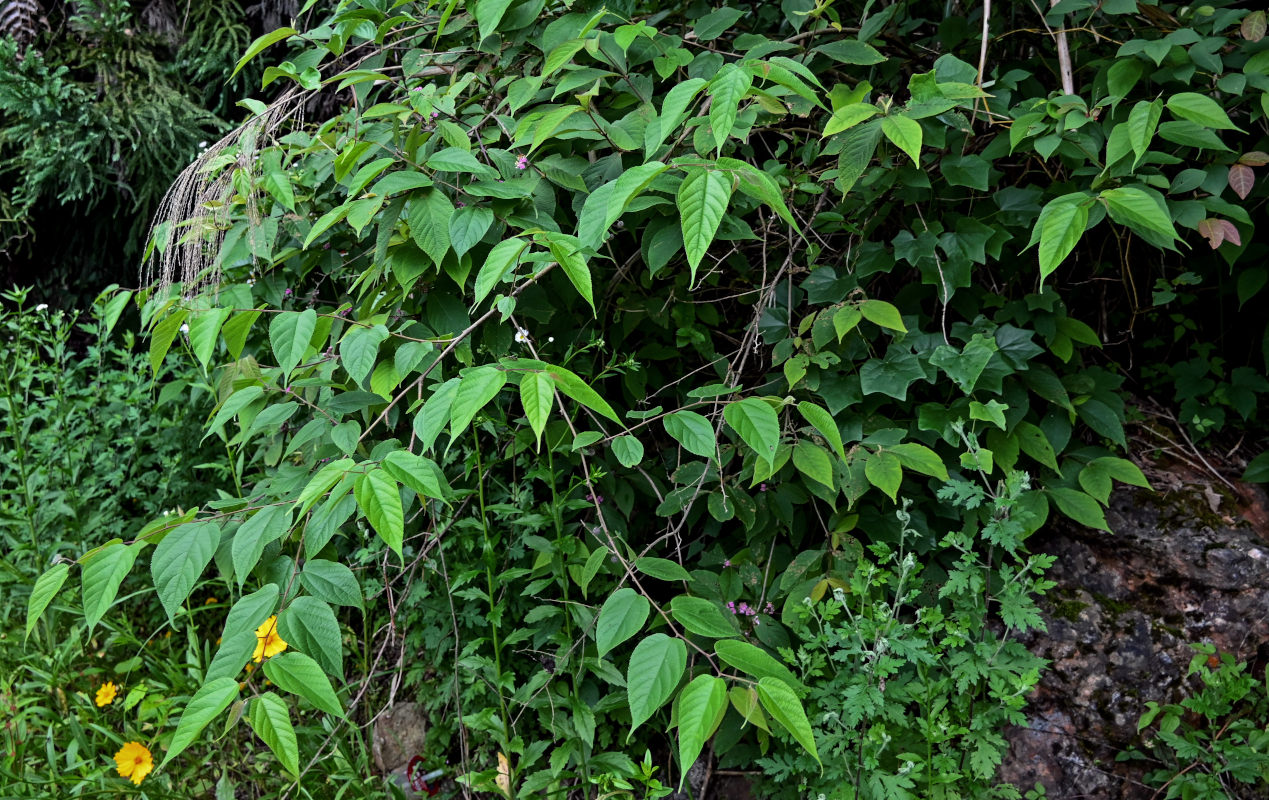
(430, 212)
(693, 431)
(468, 226)
(905, 134)
(271, 720)
(884, 470)
(212, 697)
(701, 706)
(781, 702)
(1139, 211)
(358, 350)
(621, 617)
(436, 414)
(502, 259)
(333, 582)
(238, 641)
(300, 675)
(103, 572)
(814, 462)
(1142, 123)
(823, 422)
(577, 389)
(204, 330)
(422, 475)
(757, 424)
(702, 201)
(607, 203)
(568, 254)
(289, 335)
(758, 185)
(628, 450)
(537, 395)
(379, 498)
(1079, 507)
(702, 617)
(727, 88)
(267, 525)
(755, 662)
(1061, 224)
(42, 593)
(309, 625)
(655, 669)
(478, 387)
(180, 559)
(1201, 109)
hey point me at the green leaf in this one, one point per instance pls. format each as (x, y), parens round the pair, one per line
(578, 390)
(560, 55)
(594, 562)
(823, 422)
(266, 525)
(430, 213)
(621, 617)
(849, 116)
(271, 720)
(702, 201)
(488, 14)
(162, 336)
(333, 582)
(814, 462)
(212, 697)
(537, 395)
(235, 331)
(258, 46)
(851, 51)
(238, 641)
(782, 703)
(755, 662)
(380, 500)
(727, 88)
(701, 706)
(760, 186)
(321, 483)
(42, 593)
(673, 112)
(309, 625)
(745, 701)
(628, 450)
(1079, 507)
(1061, 223)
(300, 675)
(1034, 443)
(905, 134)
(857, 153)
(479, 385)
(468, 226)
(502, 259)
(757, 425)
(455, 159)
(289, 336)
(359, 349)
(884, 470)
(568, 254)
(702, 617)
(204, 330)
(1142, 124)
(549, 123)
(662, 569)
(103, 572)
(180, 559)
(1201, 109)
(693, 431)
(919, 458)
(1138, 210)
(655, 669)
(607, 203)
(884, 314)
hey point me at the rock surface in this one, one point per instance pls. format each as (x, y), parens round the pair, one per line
(1126, 607)
(400, 734)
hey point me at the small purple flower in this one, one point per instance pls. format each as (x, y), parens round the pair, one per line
(522, 162)
(770, 608)
(726, 562)
(435, 114)
(731, 606)
(287, 292)
(461, 204)
(762, 487)
(744, 609)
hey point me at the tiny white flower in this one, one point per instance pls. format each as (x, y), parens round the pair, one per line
(522, 335)
(550, 339)
(41, 306)
(184, 327)
(202, 145)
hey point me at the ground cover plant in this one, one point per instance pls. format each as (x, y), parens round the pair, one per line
(647, 385)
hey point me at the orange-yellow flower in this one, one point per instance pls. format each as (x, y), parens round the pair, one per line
(134, 762)
(268, 643)
(106, 694)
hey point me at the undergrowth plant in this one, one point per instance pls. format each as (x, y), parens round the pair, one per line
(585, 345)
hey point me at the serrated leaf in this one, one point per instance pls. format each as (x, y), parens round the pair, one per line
(455, 159)
(727, 88)
(309, 625)
(358, 350)
(760, 186)
(103, 573)
(662, 569)
(435, 414)
(622, 616)
(478, 386)
(180, 559)
(380, 500)
(266, 525)
(814, 462)
(905, 133)
(537, 395)
(849, 116)
(755, 662)
(702, 201)
(655, 669)
(567, 251)
(1137, 210)
(745, 701)
(823, 422)
(578, 390)
(702, 617)
(885, 471)
(333, 582)
(468, 226)
(1142, 123)
(607, 203)
(321, 483)
(1200, 109)
(211, 698)
(204, 331)
(430, 213)
(701, 706)
(693, 431)
(300, 675)
(271, 720)
(238, 641)
(757, 425)
(289, 336)
(42, 593)
(781, 702)
(1059, 228)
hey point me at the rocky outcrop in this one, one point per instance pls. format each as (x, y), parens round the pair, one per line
(1182, 566)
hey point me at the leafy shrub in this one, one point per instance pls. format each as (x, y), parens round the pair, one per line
(582, 328)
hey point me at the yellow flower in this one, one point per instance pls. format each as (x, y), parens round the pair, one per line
(268, 643)
(134, 762)
(106, 694)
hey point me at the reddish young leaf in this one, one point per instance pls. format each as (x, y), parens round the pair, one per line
(1241, 180)
(1231, 233)
(1211, 230)
(1253, 27)
(1256, 158)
